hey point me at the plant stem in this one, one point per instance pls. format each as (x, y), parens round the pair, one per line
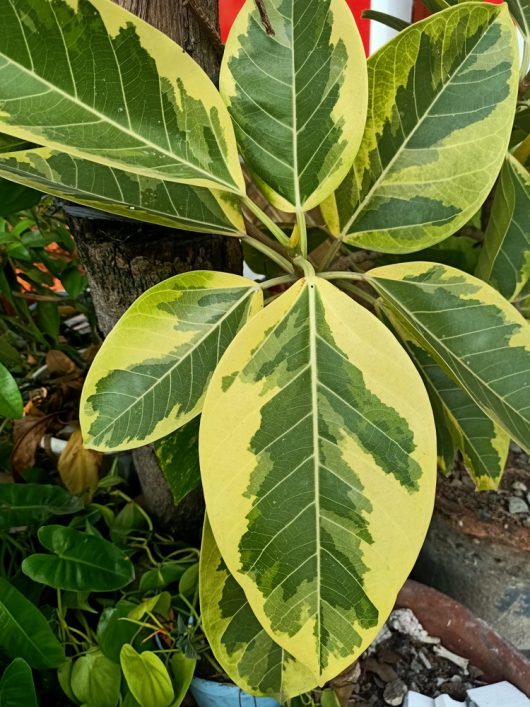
(302, 228)
(331, 254)
(341, 275)
(282, 262)
(357, 292)
(267, 221)
(305, 266)
(283, 280)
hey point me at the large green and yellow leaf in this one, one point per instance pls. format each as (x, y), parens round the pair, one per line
(88, 78)
(318, 459)
(240, 644)
(151, 373)
(483, 444)
(441, 105)
(504, 260)
(478, 338)
(126, 194)
(297, 96)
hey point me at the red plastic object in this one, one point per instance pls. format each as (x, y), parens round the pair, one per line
(228, 10)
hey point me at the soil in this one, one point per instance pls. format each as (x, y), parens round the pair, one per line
(503, 514)
(398, 662)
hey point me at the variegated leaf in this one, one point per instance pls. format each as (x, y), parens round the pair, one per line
(471, 331)
(241, 645)
(88, 78)
(319, 482)
(127, 194)
(483, 444)
(504, 260)
(520, 9)
(441, 105)
(150, 375)
(297, 95)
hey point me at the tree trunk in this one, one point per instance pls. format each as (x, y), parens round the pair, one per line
(123, 258)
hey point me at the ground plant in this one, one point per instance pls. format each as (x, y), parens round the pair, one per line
(317, 389)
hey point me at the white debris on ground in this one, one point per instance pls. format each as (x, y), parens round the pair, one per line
(404, 621)
(500, 695)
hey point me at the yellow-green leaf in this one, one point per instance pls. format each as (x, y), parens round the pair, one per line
(319, 483)
(147, 678)
(441, 106)
(241, 645)
(478, 338)
(88, 78)
(297, 96)
(504, 259)
(150, 375)
(132, 195)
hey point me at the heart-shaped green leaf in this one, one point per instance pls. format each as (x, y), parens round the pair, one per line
(95, 680)
(147, 678)
(24, 632)
(32, 504)
(80, 562)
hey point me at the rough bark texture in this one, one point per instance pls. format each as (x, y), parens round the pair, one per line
(124, 258)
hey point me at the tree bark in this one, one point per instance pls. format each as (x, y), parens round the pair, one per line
(123, 258)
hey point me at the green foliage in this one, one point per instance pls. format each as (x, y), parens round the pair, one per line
(80, 563)
(16, 685)
(316, 442)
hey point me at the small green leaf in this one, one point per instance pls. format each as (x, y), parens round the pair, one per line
(81, 562)
(189, 580)
(183, 669)
(113, 631)
(16, 686)
(147, 678)
(162, 576)
(96, 680)
(33, 504)
(48, 318)
(15, 197)
(178, 456)
(11, 404)
(24, 632)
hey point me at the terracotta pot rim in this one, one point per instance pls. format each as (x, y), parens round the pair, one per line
(466, 635)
